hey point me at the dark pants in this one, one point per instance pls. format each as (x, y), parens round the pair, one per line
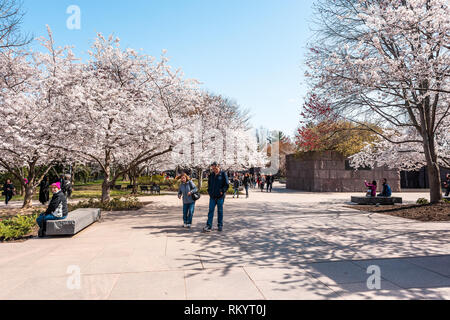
(8, 197)
(269, 187)
(246, 190)
(212, 207)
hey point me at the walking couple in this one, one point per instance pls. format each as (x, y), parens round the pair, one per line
(218, 185)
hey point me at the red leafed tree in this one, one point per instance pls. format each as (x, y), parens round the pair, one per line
(317, 121)
(321, 130)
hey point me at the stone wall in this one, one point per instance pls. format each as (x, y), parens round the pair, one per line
(326, 172)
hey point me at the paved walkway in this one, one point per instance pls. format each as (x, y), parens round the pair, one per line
(284, 245)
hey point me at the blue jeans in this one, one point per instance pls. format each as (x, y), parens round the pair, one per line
(188, 212)
(46, 217)
(212, 206)
(246, 190)
(236, 192)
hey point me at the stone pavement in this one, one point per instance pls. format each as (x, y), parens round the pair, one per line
(285, 245)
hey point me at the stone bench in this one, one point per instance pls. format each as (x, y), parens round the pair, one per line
(74, 222)
(377, 200)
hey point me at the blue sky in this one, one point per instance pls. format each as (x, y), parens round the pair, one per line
(248, 50)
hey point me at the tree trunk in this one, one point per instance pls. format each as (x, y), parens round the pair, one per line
(106, 190)
(200, 178)
(106, 186)
(133, 179)
(72, 174)
(434, 176)
(28, 196)
(434, 172)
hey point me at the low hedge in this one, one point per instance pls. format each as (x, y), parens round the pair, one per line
(422, 201)
(18, 227)
(116, 204)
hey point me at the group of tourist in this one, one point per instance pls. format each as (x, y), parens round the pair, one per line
(387, 191)
(241, 180)
(218, 185)
(9, 190)
(57, 208)
(44, 188)
(265, 181)
(372, 189)
(260, 181)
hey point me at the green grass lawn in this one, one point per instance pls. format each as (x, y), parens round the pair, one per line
(93, 190)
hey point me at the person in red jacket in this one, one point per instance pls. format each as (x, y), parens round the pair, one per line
(372, 192)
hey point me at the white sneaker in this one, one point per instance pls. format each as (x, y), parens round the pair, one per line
(185, 225)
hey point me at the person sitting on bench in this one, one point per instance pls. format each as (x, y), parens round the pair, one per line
(57, 209)
(372, 189)
(387, 191)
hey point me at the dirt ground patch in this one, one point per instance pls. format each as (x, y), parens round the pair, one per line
(7, 213)
(425, 213)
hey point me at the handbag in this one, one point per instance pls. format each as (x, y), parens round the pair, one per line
(195, 195)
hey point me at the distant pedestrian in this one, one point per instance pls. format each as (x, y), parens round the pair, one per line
(236, 185)
(218, 185)
(67, 186)
(186, 190)
(447, 185)
(62, 183)
(262, 183)
(269, 183)
(44, 191)
(247, 182)
(57, 209)
(8, 191)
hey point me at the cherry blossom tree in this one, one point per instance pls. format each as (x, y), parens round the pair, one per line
(11, 17)
(33, 89)
(387, 63)
(219, 132)
(127, 109)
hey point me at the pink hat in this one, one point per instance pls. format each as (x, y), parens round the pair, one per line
(56, 184)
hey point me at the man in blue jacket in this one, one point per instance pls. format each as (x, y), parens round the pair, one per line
(387, 192)
(218, 185)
